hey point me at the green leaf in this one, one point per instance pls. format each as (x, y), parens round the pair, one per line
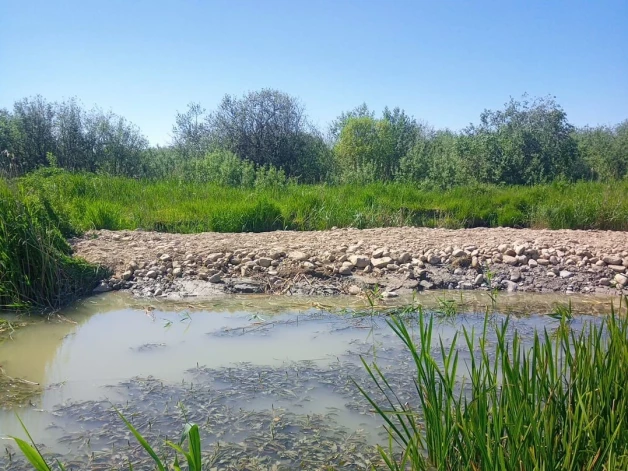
(142, 441)
(32, 455)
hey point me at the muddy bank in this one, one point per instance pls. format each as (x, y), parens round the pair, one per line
(394, 261)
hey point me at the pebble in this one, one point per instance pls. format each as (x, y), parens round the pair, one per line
(345, 269)
(264, 262)
(404, 257)
(215, 278)
(510, 260)
(381, 262)
(298, 256)
(511, 286)
(354, 290)
(612, 260)
(360, 261)
(434, 260)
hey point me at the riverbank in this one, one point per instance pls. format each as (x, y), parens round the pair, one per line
(392, 261)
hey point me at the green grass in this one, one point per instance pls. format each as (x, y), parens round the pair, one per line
(559, 403)
(36, 266)
(86, 201)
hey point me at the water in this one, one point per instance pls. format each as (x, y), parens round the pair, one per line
(254, 370)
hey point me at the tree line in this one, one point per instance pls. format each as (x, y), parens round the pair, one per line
(266, 137)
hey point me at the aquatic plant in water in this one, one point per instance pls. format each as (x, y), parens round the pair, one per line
(559, 403)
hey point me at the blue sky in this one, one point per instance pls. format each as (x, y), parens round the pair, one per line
(442, 61)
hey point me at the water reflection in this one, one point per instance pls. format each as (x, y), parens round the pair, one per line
(249, 356)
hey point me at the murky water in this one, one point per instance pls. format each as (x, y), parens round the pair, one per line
(268, 379)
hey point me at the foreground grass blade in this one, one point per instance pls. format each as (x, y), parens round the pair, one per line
(32, 455)
(142, 441)
(31, 452)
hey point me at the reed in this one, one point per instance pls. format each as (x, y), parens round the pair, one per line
(36, 266)
(559, 402)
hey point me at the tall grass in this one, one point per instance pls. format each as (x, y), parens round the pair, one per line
(87, 201)
(560, 403)
(36, 266)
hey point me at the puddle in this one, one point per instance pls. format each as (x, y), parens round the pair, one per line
(268, 379)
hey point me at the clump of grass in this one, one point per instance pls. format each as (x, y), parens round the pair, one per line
(36, 266)
(559, 403)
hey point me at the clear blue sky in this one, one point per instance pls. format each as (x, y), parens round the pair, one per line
(442, 61)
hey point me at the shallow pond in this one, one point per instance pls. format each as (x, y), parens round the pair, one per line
(269, 380)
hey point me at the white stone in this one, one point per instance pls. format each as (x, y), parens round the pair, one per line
(346, 268)
(510, 260)
(613, 260)
(379, 253)
(212, 257)
(404, 257)
(359, 261)
(621, 280)
(298, 256)
(354, 290)
(381, 262)
(434, 260)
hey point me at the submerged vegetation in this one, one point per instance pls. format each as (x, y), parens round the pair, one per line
(496, 400)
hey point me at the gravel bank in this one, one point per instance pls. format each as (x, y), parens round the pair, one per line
(349, 261)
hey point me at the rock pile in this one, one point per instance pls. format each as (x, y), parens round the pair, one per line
(524, 266)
